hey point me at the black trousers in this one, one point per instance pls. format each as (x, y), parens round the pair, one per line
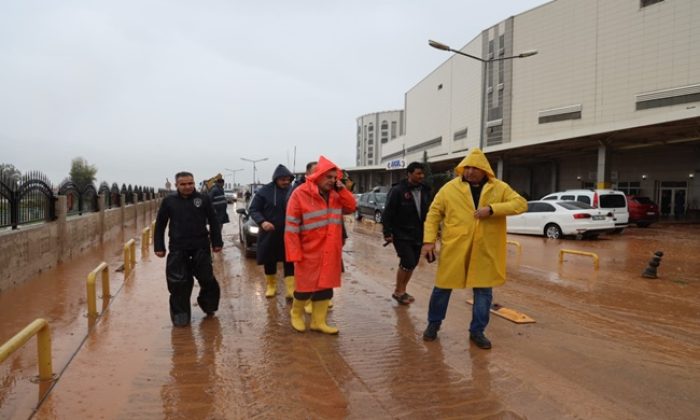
(271, 268)
(181, 267)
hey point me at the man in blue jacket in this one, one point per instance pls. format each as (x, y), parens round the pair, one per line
(268, 210)
(188, 213)
(404, 213)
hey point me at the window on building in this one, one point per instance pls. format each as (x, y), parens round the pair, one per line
(370, 127)
(393, 129)
(385, 125)
(461, 134)
(629, 187)
(370, 141)
(645, 3)
(385, 139)
(560, 117)
(494, 135)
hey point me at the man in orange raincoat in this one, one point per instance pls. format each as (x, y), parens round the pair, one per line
(313, 241)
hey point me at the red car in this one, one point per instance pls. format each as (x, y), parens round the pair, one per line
(642, 210)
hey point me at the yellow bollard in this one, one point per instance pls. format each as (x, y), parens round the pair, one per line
(40, 328)
(91, 293)
(593, 255)
(129, 257)
(517, 245)
(145, 240)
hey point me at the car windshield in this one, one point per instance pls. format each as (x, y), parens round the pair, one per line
(574, 205)
(381, 197)
(643, 200)
(612, 200)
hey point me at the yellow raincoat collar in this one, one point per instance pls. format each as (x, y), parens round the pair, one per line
(476, 159)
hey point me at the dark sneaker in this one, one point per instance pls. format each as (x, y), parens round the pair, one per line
(210, 314)
(480, 340)
(181, 320)
(430, 333)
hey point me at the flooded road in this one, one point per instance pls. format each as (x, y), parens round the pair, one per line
(607, 343)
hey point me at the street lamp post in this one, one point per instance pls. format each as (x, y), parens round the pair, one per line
(254, 161)
(484, 73)
(233, 173)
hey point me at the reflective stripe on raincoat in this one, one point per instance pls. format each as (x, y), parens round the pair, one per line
(473, 251)
(313, 234)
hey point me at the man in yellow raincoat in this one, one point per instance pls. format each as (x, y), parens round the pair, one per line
(472, 210)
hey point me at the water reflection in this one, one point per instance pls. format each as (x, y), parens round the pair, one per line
(193, 371)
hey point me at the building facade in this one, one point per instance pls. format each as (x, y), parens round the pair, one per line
(374, 131)
(612, 99)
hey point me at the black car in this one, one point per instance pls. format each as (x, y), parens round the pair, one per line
(371, 205)
(247, 231)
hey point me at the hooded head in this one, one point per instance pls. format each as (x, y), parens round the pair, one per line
(324, 166)
(282, 176)
(475, 159)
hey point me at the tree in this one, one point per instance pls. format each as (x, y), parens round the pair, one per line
(82, 173)
(9, 172)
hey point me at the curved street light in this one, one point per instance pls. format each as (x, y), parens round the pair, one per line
(484, 71)
(254, 161)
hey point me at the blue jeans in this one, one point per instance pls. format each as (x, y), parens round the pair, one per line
(483, 296)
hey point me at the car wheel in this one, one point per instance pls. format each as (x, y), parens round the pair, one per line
(552, 231)
(378, 216)
(358, 216)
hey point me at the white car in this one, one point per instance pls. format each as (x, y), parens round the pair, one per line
(555, 219)
(608, 200)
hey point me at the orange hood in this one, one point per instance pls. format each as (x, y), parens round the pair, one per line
(324, 165)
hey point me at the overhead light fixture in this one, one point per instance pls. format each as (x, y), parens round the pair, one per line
(644, 176)
(691, 175)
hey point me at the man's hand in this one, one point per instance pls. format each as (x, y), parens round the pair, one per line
(339, 185)
(267, 226)
(428, 251)
(483, 212)
(216, 248)
(160, 254)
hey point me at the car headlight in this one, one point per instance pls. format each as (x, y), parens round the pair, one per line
(253, 229)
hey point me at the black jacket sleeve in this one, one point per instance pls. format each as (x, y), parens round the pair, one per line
(390, 210)
(256, 208)
(161, 222)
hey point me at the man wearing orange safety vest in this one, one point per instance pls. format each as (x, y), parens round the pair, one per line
(313, 241)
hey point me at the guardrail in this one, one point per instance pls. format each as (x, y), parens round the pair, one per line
(129, 257)
(40, 328)
(92, 293)
(593, 255)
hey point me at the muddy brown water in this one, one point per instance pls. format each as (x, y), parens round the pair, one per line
(607, 343)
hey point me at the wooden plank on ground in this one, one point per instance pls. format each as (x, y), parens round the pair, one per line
(509, 314)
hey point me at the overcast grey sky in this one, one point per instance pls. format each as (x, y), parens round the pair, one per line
(143, 89)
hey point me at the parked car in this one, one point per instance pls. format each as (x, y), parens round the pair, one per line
(231, 196)
(555, 219)
(643, 211)
(611, 200)
(247, 231)
(371, 205)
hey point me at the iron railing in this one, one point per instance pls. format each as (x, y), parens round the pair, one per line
(26, 199)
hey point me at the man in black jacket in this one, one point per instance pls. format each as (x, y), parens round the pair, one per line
(217, 196)
(269, 209)
(188, 213)
(404, 213)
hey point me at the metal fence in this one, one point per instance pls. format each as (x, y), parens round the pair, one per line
(26, 199)
(79, 198)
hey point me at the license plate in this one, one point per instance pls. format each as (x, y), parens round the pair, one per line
(651, 213)
(598, 217)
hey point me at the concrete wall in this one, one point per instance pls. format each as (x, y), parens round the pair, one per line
(29, 250)
(601, 54)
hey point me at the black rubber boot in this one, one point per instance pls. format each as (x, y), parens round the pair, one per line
(430, 333)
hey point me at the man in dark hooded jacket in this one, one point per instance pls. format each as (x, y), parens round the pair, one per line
(268, 210)
(218, 200)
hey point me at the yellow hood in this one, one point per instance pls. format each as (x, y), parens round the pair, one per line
(476, 159)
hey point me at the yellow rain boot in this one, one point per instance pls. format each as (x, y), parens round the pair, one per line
(330, 304)
(297, 315)
(289, 284)
(271, 290)
(308, 307)
(318, 317)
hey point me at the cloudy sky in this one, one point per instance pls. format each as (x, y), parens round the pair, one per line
(143, 89)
